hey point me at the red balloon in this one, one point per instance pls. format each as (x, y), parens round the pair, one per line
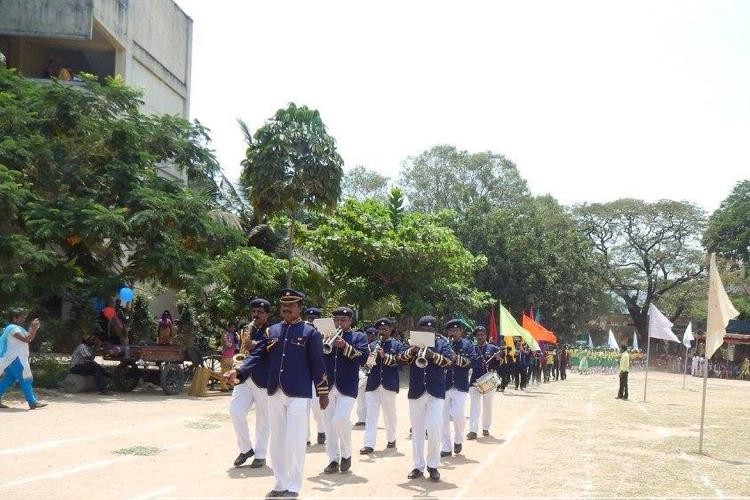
(108, 312)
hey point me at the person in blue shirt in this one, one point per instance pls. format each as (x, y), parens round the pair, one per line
(382, 386)
(426, 397)
(294, 351)
(487, 359)
(456, 387)
(311, 314)
(349, 353)
(252, 391)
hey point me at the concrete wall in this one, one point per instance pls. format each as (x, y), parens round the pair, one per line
(56, 18)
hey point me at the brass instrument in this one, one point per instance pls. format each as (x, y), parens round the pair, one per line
(372, 359)
(328, 342)
(421, 360)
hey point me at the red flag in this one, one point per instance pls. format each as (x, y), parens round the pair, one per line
(492, 329)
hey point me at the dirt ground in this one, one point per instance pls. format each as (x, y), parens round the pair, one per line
(564, 439)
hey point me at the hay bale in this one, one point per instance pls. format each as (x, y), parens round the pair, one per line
(78, 383)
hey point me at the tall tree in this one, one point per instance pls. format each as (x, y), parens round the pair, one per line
(644, 251)
(728, 232)
(418, 260)
(84, 208)
(361, 183)
(444, 177)
(291, 164)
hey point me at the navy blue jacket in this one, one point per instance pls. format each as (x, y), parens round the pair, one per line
(342, 365)
(480, 365)
(386, 369)
(295, 360)
(257, 370)
(431, 378)
(457, 375)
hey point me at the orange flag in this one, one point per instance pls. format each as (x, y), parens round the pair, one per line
(538, 331)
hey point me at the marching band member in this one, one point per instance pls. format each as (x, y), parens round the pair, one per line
(487, 359)
(252, 391)
(311, 314)
(457, 387)
(382, 386)
(426, 395)
(294, 350)
(349, 353)
(371, 333)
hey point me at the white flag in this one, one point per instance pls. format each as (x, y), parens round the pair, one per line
(720, 310)
(591, 344)
(612, 341)
(659, 327)
(688, 336)
(635, 340)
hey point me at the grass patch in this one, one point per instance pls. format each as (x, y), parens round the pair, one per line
(202, 424)
(141, 451)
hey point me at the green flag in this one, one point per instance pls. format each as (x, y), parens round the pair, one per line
(510, 327)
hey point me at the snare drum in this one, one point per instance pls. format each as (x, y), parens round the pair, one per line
(487, 382)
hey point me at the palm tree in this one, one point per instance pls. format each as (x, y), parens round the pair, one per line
(291, 164)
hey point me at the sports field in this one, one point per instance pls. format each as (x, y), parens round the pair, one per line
(563, 439)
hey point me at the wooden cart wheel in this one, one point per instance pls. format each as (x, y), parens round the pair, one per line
(172, 379)
(126, 376)
(213, 363)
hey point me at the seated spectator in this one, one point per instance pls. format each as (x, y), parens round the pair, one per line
(66, 74)
(82, 363)
(49, 69)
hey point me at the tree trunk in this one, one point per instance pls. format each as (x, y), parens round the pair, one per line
(290, 251)
(640, 320)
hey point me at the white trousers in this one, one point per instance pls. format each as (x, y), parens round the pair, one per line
(338, 420)
(289, 421)
(244, 396)
(480, 403)
(426, 414)
(361, 403)
(317, 414)
(453, 410)
(376, 399)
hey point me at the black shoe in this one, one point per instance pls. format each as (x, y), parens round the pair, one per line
(290, 494)
(321, 438)
(391, 444)
(485, 433)
(471, 435)
(625, 398)
(276, 493)
(456, 448)
(444, 454)
(332, 468)
(36, 405)
(258, 463)
(242, 457)
(414, 474)
(618, 397)
(366, 450)
(346, 464)
(434, 474)
(359, 424)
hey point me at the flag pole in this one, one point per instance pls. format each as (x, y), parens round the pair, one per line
(648, 356)
(703, 404)
(684, 376)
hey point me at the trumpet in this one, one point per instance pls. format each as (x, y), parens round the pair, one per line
(421, 360)
(237, 359)
(328, 342)
(372, 359)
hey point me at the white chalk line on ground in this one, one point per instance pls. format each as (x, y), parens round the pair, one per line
(54, 443)
(470, 480)
(704, 480)
(78, 468)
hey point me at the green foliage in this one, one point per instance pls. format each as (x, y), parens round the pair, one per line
(396, 205)
(419, 261)
(728, 232)
(444, 177)
(84, 209)
(291, 163)
(142, 327)
(361, 183)
(645, 251)
(48, 370)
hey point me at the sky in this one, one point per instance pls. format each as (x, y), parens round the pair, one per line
(593, 101)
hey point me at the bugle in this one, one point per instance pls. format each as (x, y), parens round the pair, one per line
(421, 360)
(328, 342)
